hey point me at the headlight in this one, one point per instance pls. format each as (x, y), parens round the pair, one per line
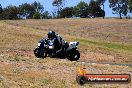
(51, 47)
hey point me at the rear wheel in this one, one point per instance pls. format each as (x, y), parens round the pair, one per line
(73, 55)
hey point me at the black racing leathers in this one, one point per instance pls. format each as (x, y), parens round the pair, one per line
(58, 43)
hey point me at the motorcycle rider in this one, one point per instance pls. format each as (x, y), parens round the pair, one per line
(57, 41)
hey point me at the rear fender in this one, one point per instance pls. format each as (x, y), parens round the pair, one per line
(72, 45)
(71, 48)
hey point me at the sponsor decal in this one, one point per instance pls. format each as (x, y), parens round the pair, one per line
(83, 77)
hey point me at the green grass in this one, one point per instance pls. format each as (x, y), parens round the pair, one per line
(47, 81)
(106, 45)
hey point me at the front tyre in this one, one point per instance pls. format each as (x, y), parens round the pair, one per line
(73, 55)
(39, 53)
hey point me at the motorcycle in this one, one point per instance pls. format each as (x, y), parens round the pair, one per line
(45, 48)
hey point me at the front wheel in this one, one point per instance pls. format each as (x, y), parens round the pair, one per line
(73, 55)
(39, 53)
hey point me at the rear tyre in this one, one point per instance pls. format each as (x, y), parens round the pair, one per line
(73, 55)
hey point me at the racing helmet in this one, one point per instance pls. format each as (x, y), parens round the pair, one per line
(51, 34)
